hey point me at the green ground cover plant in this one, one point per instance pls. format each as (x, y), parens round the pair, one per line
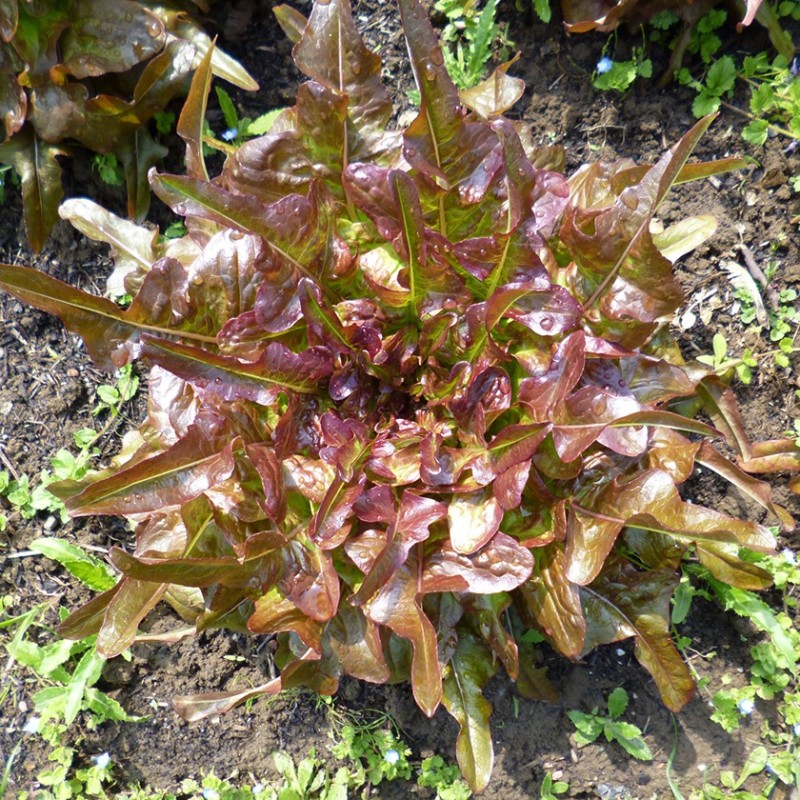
(772, 762)
(94, 74)
(24, 497)
(411, 396)
(773, 104)
(698, 21)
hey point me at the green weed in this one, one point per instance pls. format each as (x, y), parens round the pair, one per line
(471, 36)
(437, 774)
(618, 76)
(108, 168)
(372, 743)
(772, 677)
(774, 103)
(590, 726)
(111, 397)
(551, 788)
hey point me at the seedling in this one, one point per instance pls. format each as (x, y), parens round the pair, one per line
(112, 396)
(551, 788)
(590, 726)
(108, 168)
(722, 364)
(27, 500)
(437, 774)
(743, 365)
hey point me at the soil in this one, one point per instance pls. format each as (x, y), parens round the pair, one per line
(47, 393)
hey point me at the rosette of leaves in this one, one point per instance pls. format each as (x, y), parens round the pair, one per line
(94, 73)
(410, 396)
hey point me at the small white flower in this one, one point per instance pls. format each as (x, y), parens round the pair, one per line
(210, 794)
(604, 65)
(391, 756)
(746, 706)
(796, 728)
(31, 725)
(789, 556)
(258, 787)
(702, 767)
(229, 136)
(102, 761)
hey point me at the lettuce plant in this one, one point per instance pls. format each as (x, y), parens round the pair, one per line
(95, 73)
(411, 395)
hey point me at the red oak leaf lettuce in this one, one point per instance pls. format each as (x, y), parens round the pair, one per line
(405, 398)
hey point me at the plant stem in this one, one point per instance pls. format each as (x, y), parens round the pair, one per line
(742, 112)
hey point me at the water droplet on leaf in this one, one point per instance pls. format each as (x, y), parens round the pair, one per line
(599, 405)
(629, 198)
(546, 322)
(429, 71)
(153, 28)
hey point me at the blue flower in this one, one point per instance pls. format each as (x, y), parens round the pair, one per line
(210, 794)
(230, 134)
(391, 756)
(789, 556)
(103, 760)
(604, 65)
(746, 706)
(31, 725)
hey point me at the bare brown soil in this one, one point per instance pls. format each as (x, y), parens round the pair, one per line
(46, 389)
